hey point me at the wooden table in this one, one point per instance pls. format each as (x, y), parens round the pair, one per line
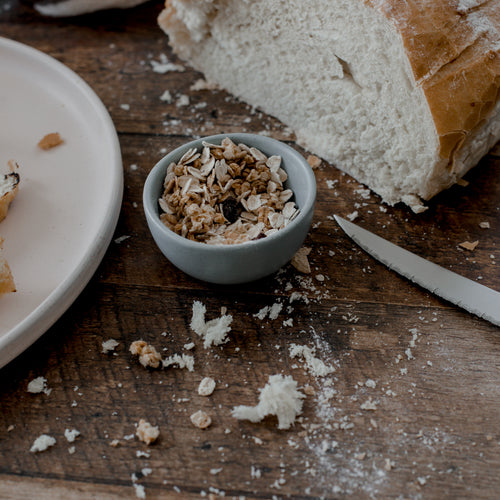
(412, 408)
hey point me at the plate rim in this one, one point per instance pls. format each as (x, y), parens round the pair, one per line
(57, 302)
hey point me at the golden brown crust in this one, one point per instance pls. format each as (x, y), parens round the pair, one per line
(7, 284)
(5, 200)
(50, 141)
(454, 54)
(6, 280)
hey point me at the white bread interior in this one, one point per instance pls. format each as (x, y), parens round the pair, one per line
(403, 96)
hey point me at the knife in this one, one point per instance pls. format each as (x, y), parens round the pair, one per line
(471, 296)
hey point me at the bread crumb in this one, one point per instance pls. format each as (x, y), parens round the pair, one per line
(206, 387)
(201, 419)
(148, 355)
(202, 84)
(146, 432)
(314, 161)
(71, 435)
(468, 245)
(484, 225)
(38, 385)
(314, 365)
(182, 361)
(388, 465)
(414, 202)
(183, 100)
(353, 215)
(164, 65)
(369, 405)
(279, 397)
(309, 390)
(273, 311)
(300, 260)
(50, 141)
(166, 97)
(462, 182)
(140, 492)
(214, 332)
(42, 443)
(121, 239)
(109, 345)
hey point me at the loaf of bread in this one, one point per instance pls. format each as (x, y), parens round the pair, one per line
(402, 95)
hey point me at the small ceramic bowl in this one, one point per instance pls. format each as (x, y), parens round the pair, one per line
(242, 262)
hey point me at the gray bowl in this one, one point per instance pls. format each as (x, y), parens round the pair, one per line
(242, 262)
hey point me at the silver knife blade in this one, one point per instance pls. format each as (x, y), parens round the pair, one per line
(463, 292)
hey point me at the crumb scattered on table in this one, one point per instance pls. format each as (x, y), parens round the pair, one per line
(146, 432)
(201, 419)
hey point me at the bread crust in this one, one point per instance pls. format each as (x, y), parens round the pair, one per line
(454, 53)
(10, 184)
(6, 280)
(5, 200)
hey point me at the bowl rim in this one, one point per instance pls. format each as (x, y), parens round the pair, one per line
(156, 175)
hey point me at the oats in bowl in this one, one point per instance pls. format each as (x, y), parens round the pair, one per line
(227, 193)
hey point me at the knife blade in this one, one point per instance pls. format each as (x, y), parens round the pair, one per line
(463, 292)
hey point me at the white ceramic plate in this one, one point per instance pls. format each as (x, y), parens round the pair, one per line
(62, 220)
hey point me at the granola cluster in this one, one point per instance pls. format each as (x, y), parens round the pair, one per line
(226, 194)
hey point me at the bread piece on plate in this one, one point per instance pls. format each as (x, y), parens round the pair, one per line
(403, 96)
(9, 185)
(6, 280)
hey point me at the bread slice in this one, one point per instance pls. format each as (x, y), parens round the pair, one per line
(404, 96)
(6, 280)
(9, 186)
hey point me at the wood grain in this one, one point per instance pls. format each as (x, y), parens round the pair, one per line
(430, 428)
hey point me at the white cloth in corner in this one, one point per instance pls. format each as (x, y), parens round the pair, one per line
(76, 7)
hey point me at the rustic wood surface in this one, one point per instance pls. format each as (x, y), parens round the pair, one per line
(433, 430)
